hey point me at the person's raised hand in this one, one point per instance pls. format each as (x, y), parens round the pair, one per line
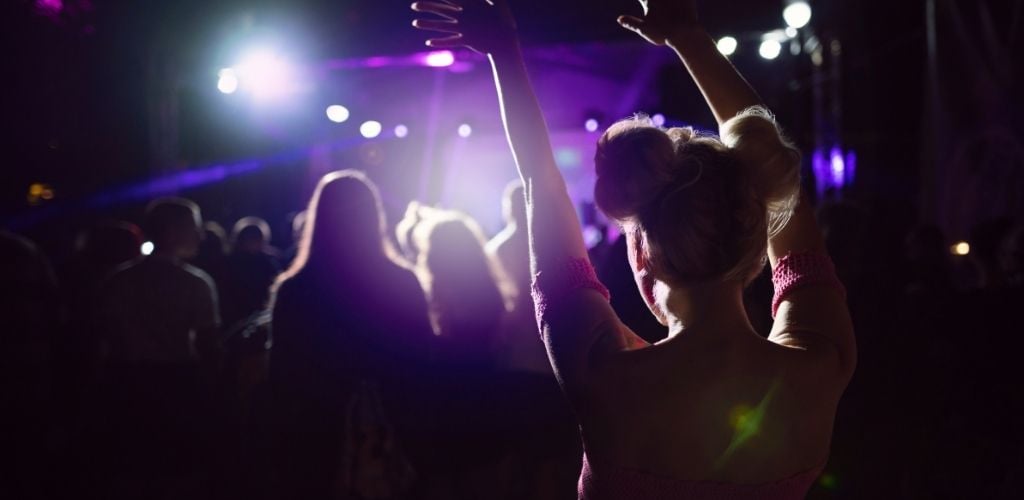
(662, 19)
(486, 26)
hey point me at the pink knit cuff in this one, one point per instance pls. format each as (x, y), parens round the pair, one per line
(577, 273)
(797, 270)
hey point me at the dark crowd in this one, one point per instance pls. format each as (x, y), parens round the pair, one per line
(370, 360)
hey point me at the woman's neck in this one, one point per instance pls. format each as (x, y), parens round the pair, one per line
(715, 308)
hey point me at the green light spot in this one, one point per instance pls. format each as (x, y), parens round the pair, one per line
(828, 481)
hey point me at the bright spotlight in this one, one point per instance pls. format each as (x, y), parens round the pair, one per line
(770, 49)
(337, 113)
(962, 248)
(370, 129)
(658, 119)
(401, 131)
(727, 45)
(227, 81)
(465, 130)
(265, 73)
(147, 248)
(797, 14)
(590, 125)
(439, 59)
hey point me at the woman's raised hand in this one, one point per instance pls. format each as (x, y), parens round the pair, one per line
(486, 26)
(662, 19)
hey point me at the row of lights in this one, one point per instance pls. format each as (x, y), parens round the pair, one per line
(373, 128)
(796, 15)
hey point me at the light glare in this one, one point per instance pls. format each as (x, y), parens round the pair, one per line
(401, 131)
(265, 74)
(465, 130)
(337, 113)
(727, 45)
(797, 14)
(440, 59)
(147, 248)
(590, 125)
(658, 119)
(770, 49)
(962, 248)
(227, 81)
(370, 129)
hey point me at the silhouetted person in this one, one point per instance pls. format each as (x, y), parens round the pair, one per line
(213, 252)
(158, 320)
(251, 270)
(346, 316)
(99, 250)
(465, 288)
(30, 310)
(928, 261)
(986, 241)
(522, 347)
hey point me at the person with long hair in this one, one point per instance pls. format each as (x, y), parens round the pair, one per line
(345, 314)
(714, 410)
(467, 290)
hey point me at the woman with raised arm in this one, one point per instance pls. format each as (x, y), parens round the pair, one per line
(714, 410)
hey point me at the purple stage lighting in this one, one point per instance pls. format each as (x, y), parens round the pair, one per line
(590, 125)
(370, 129)
(401, 131)
(658, 119)
(465, 130)
(337, 113)
(265, 74)
(439, 59)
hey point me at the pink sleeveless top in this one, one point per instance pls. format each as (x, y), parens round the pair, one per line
(603, 481)
(600, 480)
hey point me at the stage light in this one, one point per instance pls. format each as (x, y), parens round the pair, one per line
(658, 119)
(792, 32)
(797, 14)
(591, 125)
(770, 49)
(962, 248)
(147, 248)
(465, 130)
(227, 81)
(337, 113)
(370, 129)
(439, 59)
(727, 45)
(265, 73)
(401, 131)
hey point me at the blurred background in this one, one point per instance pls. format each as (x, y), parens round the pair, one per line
(909, 114)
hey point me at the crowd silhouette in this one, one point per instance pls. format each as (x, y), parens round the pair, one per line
(377, 361)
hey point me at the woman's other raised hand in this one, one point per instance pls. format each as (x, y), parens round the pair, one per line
(662, 20)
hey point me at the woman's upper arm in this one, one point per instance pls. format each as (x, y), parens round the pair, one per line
(815, 319)
(578, 331)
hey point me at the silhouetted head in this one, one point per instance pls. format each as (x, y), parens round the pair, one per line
(696, 209)
(513, 203)
(250, 235)
(215, 241)
(344, 226)
(110, 244)
(174, 226)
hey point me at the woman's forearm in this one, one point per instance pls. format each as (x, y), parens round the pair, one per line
(724, 89)
(553, 224)
(525, 127)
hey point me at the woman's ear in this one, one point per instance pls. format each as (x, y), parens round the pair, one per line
(638, 254)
